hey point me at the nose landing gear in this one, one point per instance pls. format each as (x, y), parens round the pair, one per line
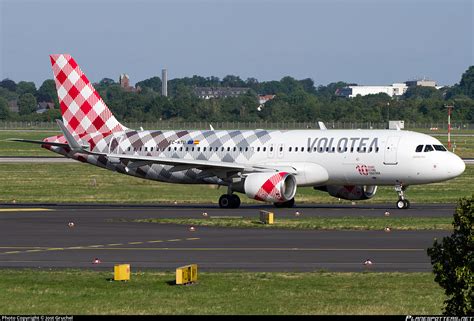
(402, 202)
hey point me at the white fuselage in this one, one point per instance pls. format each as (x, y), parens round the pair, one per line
(350, 157)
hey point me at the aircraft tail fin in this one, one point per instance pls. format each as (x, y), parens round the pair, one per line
(83, 110)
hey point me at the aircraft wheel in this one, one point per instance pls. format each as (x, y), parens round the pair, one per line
(407, 204)
(235, 201)
(225, 201)
(229, 201)
(403, 204)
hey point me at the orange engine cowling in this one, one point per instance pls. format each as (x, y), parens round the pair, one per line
(350, 192)
(270, 187)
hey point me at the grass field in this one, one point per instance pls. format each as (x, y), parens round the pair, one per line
(464, 144)
(318, 223)
(89, 292)
(82, 183)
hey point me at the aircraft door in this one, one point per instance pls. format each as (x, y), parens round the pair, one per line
(390, 155)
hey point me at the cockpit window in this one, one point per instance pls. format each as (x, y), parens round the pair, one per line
(428, 148)
(439, 147)
(419, 148)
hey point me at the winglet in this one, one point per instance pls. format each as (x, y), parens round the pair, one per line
(321, 125)
(73, 143)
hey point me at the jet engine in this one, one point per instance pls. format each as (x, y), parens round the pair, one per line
(349, 192)
(270, 187)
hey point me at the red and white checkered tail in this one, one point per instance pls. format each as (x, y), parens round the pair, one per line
(82, 108)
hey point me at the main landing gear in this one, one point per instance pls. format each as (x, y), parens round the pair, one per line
(229, 201)
(287, 204)
(402, 202)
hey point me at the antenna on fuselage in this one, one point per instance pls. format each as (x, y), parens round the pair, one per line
(321, 125)
(212, 128)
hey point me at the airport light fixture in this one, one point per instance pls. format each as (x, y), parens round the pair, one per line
(450, 109)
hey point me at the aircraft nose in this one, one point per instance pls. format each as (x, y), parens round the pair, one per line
(456, 166)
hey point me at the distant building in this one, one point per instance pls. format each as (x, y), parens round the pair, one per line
(44, 106)
(396, 89)
(13, 105)
(421, 82)
(262, 99)
(124, 82)
(219, 92)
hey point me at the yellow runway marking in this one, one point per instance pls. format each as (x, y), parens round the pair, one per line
(22, 247)
(32, 249)
(26, 210)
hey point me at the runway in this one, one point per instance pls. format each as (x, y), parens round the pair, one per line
(39, 236)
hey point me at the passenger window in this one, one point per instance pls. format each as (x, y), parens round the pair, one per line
(235, 148)
(192, 149)
(264, 149)
(419, 148)
(296, 149)
(246, 149)
(228, 149)
(169, 149)
(428, 148)
(176, 148)
(187, 148)
(271, 149)
(204, 149)
(222, 149)
(281, 149)
(258, 149)
(199, 149)
(181, 149)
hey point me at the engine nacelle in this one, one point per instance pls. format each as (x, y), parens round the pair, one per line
(270, 187)
(350, 192)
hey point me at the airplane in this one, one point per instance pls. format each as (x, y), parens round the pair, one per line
(265, 165)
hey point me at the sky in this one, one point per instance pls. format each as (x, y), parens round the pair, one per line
(368, 42)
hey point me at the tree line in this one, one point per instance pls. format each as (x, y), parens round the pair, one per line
(295, 100)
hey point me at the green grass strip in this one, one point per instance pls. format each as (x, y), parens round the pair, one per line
(318, 223)
(88, 292)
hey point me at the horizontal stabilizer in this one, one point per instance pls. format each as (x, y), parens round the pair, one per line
(37, 142)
